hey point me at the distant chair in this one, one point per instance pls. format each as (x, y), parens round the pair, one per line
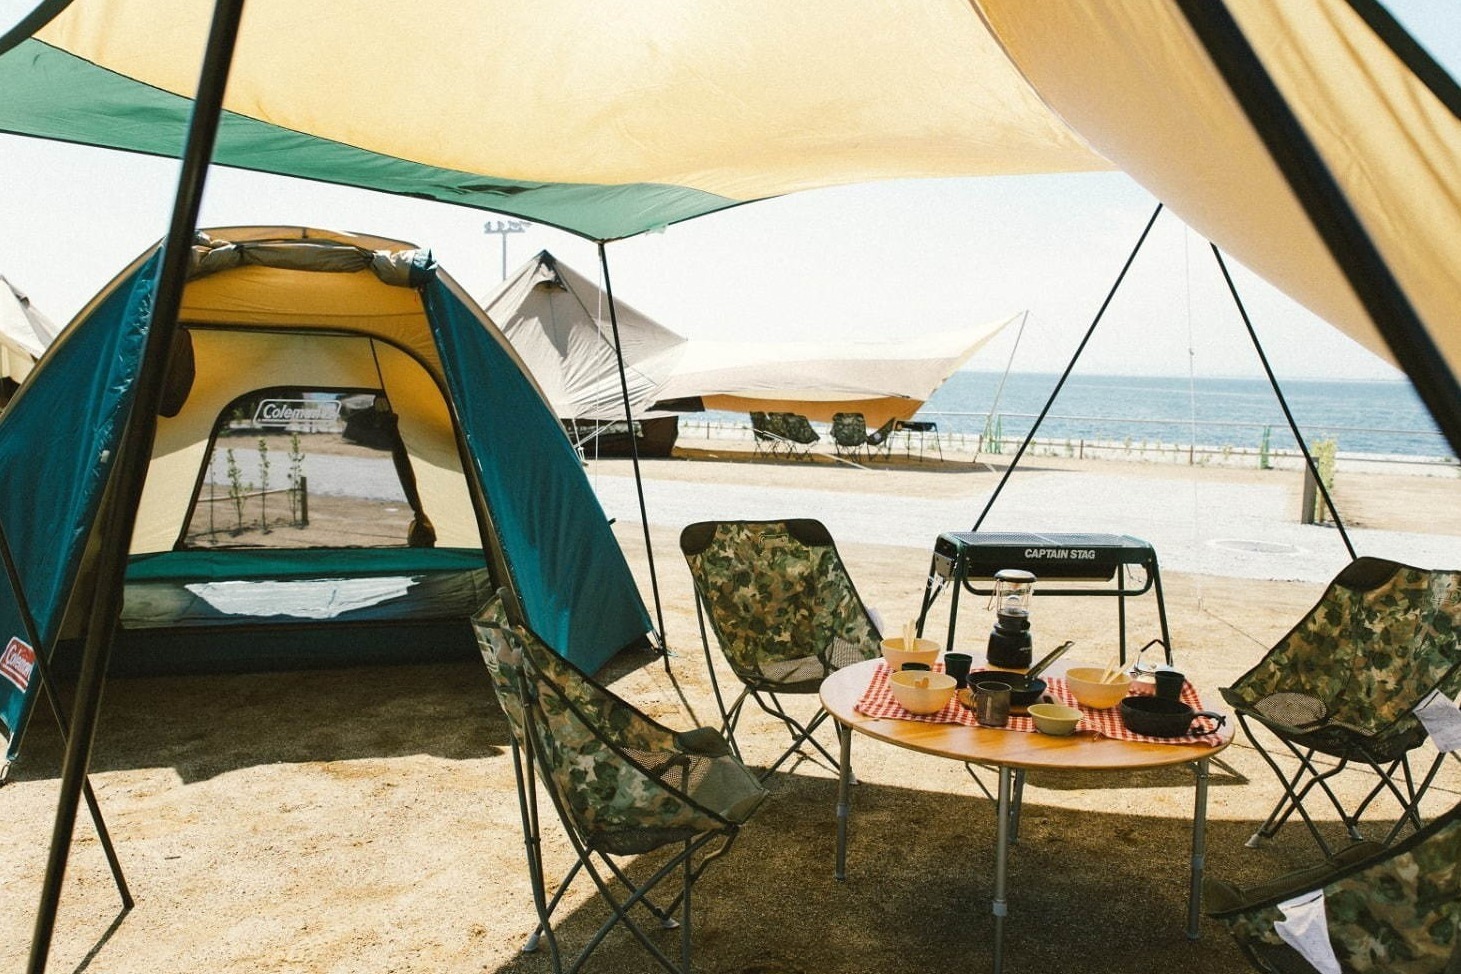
(880, 440)
(766, 441)
(849, 434)
(923, 429)
(795, 432)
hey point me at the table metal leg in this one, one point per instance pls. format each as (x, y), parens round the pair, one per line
(844, 795)
(1199, 849)
(1017, 802)
(1001, 856)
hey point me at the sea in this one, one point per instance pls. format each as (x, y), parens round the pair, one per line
(1376, 417)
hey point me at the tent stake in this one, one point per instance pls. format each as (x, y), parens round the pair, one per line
(133, 455)
(659, 611)
(1066, 374)
(1283, 402)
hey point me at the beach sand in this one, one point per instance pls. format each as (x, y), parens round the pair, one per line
(365, 820)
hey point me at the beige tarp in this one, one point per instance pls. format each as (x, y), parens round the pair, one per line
(881, 380)
(621, 110)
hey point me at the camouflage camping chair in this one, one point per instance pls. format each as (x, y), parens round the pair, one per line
(766, 442)
(1345, 683)
(795, 433)
(784, 611)
(622, 784)
(849, 434)
(1387, 910)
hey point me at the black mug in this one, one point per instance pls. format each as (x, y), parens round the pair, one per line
(957, 665)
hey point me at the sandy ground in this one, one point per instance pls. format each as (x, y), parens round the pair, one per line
(364, 820)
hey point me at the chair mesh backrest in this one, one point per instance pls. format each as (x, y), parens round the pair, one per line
(849, 429)
(617, 776)
(796, 427)
(772, 597)
(761, 426)
(1381, 638)
(877, 436)
(1397, 913)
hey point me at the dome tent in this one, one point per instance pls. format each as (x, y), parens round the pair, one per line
(267, 308)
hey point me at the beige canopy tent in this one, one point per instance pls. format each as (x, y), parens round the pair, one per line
(1311, 139)
(24, 333)
(558, 321)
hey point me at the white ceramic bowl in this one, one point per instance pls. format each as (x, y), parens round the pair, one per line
(920, 692)
(1086, 686)
(1055, 719)
(924, 651)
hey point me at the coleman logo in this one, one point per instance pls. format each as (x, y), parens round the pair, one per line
(1061, 554)
(17, 662)
(284, 412)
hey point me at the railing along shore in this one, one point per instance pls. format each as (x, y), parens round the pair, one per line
(994, 442)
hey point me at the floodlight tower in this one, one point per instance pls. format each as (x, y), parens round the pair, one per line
(503, 228)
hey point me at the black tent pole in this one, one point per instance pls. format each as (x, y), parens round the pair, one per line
(1329, 212)
(1283, 402)
(1066, 374)
(134, 452)
(42, 668)
(634, 453)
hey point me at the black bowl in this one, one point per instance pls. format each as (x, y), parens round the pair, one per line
(1156, 717)
(1023, 690)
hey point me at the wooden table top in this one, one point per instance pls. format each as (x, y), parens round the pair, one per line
(1081, 751)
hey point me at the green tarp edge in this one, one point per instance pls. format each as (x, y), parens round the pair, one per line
(48, 93)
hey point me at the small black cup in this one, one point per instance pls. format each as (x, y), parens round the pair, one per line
(1169, 684)
(957, 665)
(915, 666)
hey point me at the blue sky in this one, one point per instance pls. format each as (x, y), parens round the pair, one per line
(865, 262)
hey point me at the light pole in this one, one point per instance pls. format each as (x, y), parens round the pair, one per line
(504, 227)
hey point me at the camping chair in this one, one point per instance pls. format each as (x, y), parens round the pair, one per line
(1345, 682)
(795, 432)
(784, 611)
(1393, 909)
(766, 441)
(880, 440)
(622, 785)
(849, 433)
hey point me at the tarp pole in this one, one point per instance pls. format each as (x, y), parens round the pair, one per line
(1066, 374)
(134, 453)
(1329, 211)
(1282, 401)
(659, 611)
(48, 686)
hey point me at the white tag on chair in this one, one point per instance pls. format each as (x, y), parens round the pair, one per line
(1442, 720)
(1305, 928)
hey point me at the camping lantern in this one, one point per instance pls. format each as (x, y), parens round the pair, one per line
(1009, 641)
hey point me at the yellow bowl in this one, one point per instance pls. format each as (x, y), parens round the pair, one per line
(924, 651)
(920, 692)
(1085, 684)
(1055, 719)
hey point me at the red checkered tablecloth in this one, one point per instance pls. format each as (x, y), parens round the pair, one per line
(878, 701)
